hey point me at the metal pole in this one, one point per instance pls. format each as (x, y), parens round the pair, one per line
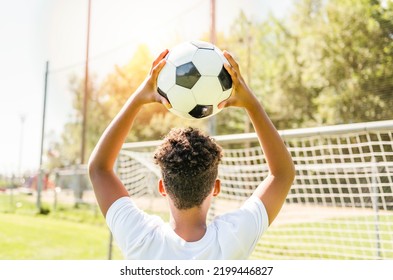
(213, 21)
(12, 186)
(39, 179)
(22, 121)
(375, 198)
(110, 249)
(86, 93)
(110, 245)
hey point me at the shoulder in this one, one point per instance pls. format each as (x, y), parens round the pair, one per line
(131, 227)
(123, 204)
(253, 207)
(250, 218)
(124, 218)
(254, 204)
(239, 231)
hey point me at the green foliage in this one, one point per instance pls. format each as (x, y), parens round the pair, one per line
(357, 54)
(327, 62)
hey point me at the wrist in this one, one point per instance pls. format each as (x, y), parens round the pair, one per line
(136, 100)
(141, 97)
(252, 104)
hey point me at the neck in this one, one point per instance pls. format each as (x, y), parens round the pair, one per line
(189, 224)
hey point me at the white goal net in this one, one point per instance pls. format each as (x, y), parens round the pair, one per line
(339, 207)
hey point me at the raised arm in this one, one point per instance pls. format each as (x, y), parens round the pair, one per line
(275, 187)
(107, 186)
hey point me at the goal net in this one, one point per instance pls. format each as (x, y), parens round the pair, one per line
(340, 205)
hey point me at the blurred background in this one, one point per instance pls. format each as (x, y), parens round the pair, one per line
(67, 67)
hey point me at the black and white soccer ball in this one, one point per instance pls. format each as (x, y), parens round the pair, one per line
(194, 80)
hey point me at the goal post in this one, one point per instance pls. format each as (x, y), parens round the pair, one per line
(340, 205)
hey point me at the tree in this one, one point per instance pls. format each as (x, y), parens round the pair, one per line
(271, 56)
(358, 56)
(327, 62)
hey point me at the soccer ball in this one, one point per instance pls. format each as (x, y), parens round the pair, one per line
(194, 80)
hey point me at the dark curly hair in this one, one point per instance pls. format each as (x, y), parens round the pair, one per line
(189, 165)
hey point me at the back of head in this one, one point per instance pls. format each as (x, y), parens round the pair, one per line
(189, 164)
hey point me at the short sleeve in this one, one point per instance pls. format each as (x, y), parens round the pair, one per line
(128, 224)
(239, 231)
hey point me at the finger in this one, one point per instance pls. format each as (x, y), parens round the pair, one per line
(231, 60)
(231, 72)
(225, 103)
(160, 57)
(163, 54)
(156, 69)
(222, 104)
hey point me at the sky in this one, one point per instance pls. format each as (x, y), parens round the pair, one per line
(33, 32)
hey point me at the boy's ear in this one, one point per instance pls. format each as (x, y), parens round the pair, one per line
(217, 187)
(161, 187)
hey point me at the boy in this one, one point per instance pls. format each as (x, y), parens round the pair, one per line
(189, 160)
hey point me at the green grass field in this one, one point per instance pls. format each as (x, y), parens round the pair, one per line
(339, 238)
(36, 237)
(67, 233)
(81, 234)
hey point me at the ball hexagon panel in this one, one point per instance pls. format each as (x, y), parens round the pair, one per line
(181, 114)
(201, 111)
(187, 75)
(205, 89)
(182, 54)
(181, 98)
(167, 77)
(208, 62)
(225, 95)
(225, 79)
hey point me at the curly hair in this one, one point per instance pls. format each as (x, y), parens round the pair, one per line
(189, 166)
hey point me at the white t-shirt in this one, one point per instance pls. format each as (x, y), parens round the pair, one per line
(142, 236)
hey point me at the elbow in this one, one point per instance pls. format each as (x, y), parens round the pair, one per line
(93, 168)
(289, 170)
(286, 175)
(290, 173)
(96, 167)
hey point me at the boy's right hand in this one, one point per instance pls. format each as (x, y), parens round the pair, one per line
(242, 95)
(147, 91)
